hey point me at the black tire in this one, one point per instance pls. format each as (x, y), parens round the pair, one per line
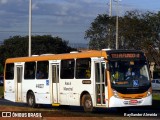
(31, 100)
(87, 103)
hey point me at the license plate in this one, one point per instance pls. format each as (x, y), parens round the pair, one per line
(133, 102)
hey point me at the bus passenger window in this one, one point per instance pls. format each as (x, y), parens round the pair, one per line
(9, 73)
(83, 68)
(29, 70)
(67, 69)
(42, 70)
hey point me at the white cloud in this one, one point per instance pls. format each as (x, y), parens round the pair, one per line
(69, 17)
(3, 1)
(35, 6)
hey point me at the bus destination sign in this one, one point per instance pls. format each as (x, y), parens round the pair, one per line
(125, 55)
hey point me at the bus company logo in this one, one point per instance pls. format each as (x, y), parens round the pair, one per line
(135, 83)
(6, 114)
(21, 114)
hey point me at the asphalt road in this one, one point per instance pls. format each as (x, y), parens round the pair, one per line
(66, 111)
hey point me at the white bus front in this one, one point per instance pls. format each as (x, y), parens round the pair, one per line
(130, 83)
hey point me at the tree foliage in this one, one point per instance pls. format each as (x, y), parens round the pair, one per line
(98, 34)
(137, 30)
(17, 46)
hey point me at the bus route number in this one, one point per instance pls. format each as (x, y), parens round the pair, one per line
(39, 85)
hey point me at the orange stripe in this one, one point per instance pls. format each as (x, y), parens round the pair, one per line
(59, 56)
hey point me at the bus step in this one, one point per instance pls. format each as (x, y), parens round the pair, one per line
(55, 104)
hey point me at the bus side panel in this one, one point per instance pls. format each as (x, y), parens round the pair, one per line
(68, 94)
(42, 98)
(40, 90)
(71, 89)
(27, 85)
(9, 90)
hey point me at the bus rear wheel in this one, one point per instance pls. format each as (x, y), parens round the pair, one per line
(87, 103)
(31, 100)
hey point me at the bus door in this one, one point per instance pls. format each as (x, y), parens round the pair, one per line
(55, 84)
(100, 83)
(18, 79)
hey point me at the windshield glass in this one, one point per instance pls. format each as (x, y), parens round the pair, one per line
(129, 76)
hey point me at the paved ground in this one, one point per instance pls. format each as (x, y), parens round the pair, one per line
(74, 113)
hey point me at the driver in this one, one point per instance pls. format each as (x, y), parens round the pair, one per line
(129, 73)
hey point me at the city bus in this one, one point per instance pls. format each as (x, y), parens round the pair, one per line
(92, 79)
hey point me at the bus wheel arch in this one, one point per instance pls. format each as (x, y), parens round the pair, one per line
(86, 102)
(31, 101)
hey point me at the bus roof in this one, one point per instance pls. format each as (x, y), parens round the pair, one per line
(84, 54)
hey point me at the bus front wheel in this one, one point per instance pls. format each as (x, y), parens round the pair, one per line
(87, 103)
(31, 100)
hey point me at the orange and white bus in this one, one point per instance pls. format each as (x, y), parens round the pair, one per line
(90, 79)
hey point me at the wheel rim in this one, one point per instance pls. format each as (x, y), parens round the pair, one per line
(30, 100)
(88, 104)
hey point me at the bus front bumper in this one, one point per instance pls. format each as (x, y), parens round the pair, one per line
(118, 102)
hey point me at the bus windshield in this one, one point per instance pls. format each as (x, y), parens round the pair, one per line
(129, 76)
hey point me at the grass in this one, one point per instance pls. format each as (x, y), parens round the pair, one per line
(156, 96)
(1, 91)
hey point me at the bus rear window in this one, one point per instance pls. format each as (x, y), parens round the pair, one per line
(9, 73)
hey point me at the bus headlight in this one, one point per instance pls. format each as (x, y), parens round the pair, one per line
(115, 94)
(148, 93)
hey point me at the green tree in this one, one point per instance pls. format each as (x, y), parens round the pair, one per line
(48, 44)
(98, 34)
(154, 23)
(17, 46)
(137, 30)
(134, 29)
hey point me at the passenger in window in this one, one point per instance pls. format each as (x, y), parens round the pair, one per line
(31, 74)
(88, 72)
(129, 73)
(40, 75)
(117, 76)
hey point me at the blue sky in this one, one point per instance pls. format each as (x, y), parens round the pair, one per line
(68, 19)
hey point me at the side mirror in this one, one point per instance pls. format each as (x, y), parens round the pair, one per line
(151, 75)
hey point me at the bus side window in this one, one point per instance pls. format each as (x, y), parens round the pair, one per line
(67, 69)
(29, 71)
(9, 73)
(83, 68)
(42, 70)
